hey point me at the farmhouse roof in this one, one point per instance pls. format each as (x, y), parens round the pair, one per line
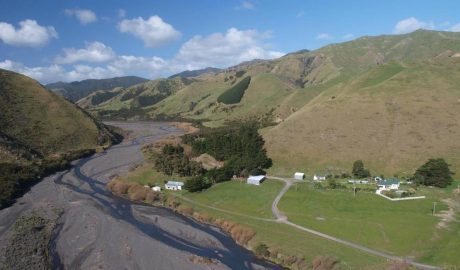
(257, 177)
(174, 183)
(388, 182)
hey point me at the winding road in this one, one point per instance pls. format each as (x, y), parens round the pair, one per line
(281, 218)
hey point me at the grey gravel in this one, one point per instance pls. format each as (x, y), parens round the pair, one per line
(100, 231)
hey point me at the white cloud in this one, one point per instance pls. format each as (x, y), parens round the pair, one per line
(145, 66)
(411, 24)
(348, 36)
(246, 5)
(93, 52)
(324, 36)
(121, 13)
(42, 74)
(222, 50)
(217, 50)
(153, 31)
(455, 28)
(29, 33)
(85, 16)
(149, 67)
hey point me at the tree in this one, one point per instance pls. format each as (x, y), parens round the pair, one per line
(197, 183)
(359, 171)
(332, 184)
(435, 172)
(262, 250)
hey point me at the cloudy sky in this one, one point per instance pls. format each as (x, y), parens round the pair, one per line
(55, 40)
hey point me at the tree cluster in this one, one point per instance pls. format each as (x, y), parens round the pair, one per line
(174, 161)
(242, 149)
(197, 183)
(435, 172)
(359, 171)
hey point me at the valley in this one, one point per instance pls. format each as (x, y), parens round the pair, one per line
(93, 225)
(239, 135)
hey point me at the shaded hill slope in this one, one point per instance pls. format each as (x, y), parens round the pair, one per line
(79, 89)
(39, 132)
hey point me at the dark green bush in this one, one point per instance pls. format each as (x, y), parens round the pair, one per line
(234, 94)
(197, 183)
(101, 97)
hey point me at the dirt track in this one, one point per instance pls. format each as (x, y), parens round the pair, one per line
(100, 231)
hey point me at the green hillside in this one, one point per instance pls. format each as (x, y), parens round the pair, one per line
(390, 100)
(40, 131)
(125, 103)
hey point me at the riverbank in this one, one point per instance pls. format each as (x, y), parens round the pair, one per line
(100, 230)
(139, 194)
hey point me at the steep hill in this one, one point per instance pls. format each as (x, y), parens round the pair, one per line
(79, 89)
(390, 100)
(39, 132)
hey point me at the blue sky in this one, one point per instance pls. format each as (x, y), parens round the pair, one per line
(52, 40)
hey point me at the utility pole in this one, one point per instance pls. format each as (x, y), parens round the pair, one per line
(354, 190)
(434, 208)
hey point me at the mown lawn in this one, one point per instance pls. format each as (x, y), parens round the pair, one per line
(252, 202)
(238, 196)
(145, 175)
(403, 228)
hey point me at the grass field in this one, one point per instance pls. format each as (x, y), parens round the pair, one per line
(247, 205)
(146, 175)
(405, 228)
(252, 202)
(235, 195)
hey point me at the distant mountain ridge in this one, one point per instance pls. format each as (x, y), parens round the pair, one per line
(79, 89)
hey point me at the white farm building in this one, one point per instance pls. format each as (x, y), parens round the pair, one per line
(318, 177)
(391, 184)
(255, 179)
(174, 185)
(299, 176)
(156, 188)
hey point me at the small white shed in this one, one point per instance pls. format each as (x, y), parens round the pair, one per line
(299, 176)
(156, 188)
(318, 177)
(174, 185)
(255, 179)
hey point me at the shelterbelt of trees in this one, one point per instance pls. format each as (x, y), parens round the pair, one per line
(241, 148)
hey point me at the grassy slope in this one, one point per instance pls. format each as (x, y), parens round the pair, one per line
(392, 117)
(42, 120)
(390, 100)
(164, 87)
